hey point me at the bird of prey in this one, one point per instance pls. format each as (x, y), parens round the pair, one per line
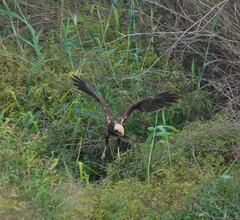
(115, 127)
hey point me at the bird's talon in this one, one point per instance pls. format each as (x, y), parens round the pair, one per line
(118, 154)
(103, 156)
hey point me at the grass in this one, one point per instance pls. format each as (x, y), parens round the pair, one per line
(179, 163)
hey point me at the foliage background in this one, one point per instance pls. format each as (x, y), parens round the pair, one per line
(179, 163)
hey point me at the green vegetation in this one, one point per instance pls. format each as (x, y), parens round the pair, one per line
(179, 163)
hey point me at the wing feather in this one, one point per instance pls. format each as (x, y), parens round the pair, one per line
(150, 104)
(83, 86)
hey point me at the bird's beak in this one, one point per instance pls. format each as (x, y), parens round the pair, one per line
(119, 134)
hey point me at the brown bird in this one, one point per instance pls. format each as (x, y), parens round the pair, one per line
(115, 127)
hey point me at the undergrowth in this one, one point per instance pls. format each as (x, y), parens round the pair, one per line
(179, 163)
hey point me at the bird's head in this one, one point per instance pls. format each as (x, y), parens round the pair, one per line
(119, 129)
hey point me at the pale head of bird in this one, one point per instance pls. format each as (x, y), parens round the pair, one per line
(119, 129)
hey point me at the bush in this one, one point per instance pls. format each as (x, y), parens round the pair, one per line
(204, 146)
(217, 199)
(216, 136)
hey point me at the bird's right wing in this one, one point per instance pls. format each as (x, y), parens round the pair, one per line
(83, 86)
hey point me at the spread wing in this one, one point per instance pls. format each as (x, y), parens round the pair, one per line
(83, 86)
(150, 104)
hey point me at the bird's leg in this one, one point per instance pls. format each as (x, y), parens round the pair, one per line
(118, 144)
(106, 145)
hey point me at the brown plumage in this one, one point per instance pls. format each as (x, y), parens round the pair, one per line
(115, 127)
(150, 104)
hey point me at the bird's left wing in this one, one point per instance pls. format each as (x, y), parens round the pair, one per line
(150, 104)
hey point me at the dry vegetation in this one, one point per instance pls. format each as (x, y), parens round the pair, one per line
(179, 163)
